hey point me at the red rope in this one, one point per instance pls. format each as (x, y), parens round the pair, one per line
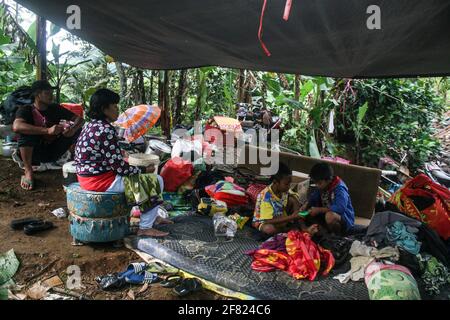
(287, 10)
(260, 31)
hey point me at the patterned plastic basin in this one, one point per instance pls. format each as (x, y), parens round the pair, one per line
(98, 230)
(96, 204)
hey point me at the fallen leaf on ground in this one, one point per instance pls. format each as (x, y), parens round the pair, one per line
(144, 288)
(53, 282)
(43, 205)
(37, 291)
(130, 294)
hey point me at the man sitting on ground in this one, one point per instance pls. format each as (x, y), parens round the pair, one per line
(277, 208)
(330, 205)
(42, 137)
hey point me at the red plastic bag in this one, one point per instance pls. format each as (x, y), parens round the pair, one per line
(176, 172)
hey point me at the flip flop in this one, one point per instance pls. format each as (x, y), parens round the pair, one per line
(171, 281)
(136, 267)
(19, 224)
(141, 278)
(37, 227)
(188, 286)
(29, 182)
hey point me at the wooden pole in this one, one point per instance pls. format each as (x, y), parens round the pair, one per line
(41, 44)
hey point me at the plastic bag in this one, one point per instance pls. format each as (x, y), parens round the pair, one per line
(162, 212)
(209, 207)
(240, 220)
(175, 172)
(223, 226)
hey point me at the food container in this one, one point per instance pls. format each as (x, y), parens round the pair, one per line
(8, 149)
(158, 147)
(69, 173)
(144, 160)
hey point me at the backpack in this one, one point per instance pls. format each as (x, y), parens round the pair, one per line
(8, 108)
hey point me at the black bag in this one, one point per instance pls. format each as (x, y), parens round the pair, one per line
(433, 244)
(8, 108)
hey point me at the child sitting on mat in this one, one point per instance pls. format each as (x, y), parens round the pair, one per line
(276, 207)
(330, 206)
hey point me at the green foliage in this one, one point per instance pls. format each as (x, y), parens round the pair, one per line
(397, 121)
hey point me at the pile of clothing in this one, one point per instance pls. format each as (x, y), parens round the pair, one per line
(396, 244)
(294, 253)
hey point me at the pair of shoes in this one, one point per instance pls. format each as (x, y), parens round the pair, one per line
(31, 225)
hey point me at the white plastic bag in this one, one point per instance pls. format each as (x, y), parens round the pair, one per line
(223, 226)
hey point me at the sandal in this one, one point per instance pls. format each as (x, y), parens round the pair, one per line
(26, 184)
(188, 286)
(136, 267)
(142, 278)
(36, 227)
(19, 224)
(171, 281)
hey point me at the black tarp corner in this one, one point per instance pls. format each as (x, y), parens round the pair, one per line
(320, 37)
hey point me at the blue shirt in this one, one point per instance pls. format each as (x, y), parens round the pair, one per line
(340, 203)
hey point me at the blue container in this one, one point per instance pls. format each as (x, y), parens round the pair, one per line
(97, 229)
(91, 204)
(97, 216)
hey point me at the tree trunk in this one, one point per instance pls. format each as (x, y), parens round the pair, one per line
(241, 83)
(201, 80)
(41, 43)
(163, 101)
(180, 97)
(150, 98)
(122, 81)
(297, 96)
(283, 81)
(141, 86)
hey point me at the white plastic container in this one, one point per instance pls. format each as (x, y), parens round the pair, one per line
(144, 160)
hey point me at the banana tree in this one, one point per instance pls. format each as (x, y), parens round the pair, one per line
(60, 71)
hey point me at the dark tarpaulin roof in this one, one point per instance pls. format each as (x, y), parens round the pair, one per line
(321, 37)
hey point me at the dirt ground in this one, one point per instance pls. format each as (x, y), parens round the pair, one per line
(50, 253)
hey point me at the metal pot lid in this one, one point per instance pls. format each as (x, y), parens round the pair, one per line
(160, 146)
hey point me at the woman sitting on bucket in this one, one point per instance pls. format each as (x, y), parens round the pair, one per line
(101, 167)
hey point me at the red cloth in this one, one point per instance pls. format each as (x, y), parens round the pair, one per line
(99, 183)
(231, 200)
(436, 216)
(302, 258)
(74, 108)
(228, 192)
(176, 172)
